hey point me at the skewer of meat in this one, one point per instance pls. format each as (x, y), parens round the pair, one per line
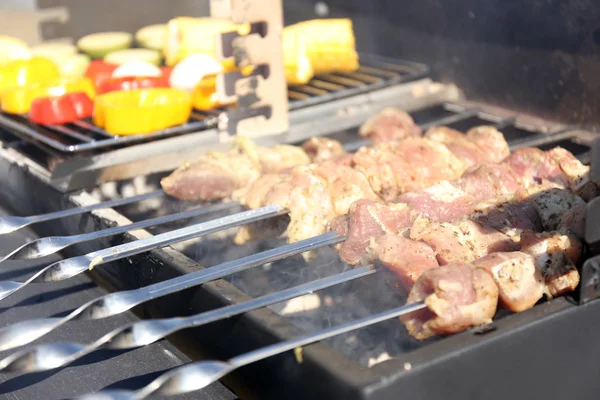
(519, 175)
(217, 175)
(317, 193)
(460, 296)
(432, 260)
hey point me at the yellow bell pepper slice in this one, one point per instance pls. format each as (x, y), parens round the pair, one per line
(18, 100)
(13, 49)
(35, 71)
(204, 96)
(133, 112)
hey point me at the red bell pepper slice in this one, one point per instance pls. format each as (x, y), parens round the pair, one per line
(166, 72)
(132, 83)
(99, 71)
(61, 109)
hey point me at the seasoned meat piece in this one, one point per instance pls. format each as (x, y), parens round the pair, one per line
(458, 297)
(214, 177)
(532, 166)
(550, 202)
(281, 157)
(390, 124)
(431, 161)
(491, 141)
(507, 216)
(445, 239)
(458, 144)
(254, 195)
(575, 171)
(407, 258)
(487, 181)
(462, 241)
(519, 280)
(306, 196)
(441, 202)
(556, 255)
(380, 164)
(344, 159)
(484, 239)
(573, 221)
(345, 185)
(321, 149)
(217, 175)
(369, 220)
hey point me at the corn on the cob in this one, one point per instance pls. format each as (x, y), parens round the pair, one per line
(330, 44)
(309, 48)
(186, 35)
(297, 65)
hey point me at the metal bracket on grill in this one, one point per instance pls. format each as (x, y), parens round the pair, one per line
(590, 280)
(261, 96)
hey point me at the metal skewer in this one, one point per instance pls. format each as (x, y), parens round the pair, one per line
(196, 376)
(53, 355)
(70, 267)
(115, 303)
(49, 245)
(11, 223)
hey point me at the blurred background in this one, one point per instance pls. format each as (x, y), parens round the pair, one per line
(536, 56)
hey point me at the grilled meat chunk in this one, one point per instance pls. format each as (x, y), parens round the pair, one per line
(441, 202)
(389, 174)
(345, 185)
(432, 162)
(573, 221)
(217, 175)
(462, 241)
(369, 220)
(507, 216)
(576, 173)
(550, 201)
(491, 141)
(486, 181)
(458, 296)
(306, 195)
(556, 256)
(406, 258)
(533, 166)
(321, 149)
(458, 144)
(519, 279)
(536, 206)
(388, 125)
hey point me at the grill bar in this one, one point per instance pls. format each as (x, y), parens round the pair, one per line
(115, 303)
(53, 355)
(196, 376)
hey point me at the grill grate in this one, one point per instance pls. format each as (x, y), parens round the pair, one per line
(81, 136)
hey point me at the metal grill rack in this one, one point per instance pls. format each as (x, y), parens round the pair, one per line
(83, 136)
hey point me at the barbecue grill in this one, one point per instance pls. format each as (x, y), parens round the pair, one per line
(524, 355)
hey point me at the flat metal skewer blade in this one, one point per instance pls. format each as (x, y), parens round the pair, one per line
(11, 223)
(115, 303)
(70, 267)
(196, 376)
(49, 245)
(53, 355)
